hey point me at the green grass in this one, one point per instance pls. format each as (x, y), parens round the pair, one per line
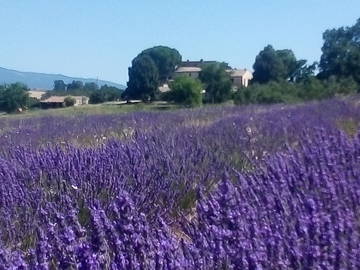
(92, 109)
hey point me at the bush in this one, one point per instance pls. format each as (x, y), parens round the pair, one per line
(33, 103)
(69, 101)
(272, 92)
(186, 91)
(13, 97)
(97, 97)
(288, 92)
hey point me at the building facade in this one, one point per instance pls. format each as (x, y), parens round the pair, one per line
(239, 77)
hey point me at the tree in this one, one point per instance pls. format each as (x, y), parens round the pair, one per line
(276, 65)
(111, 93)
(341, 53)
(186, 91)
(91, 86)
(166, 59)
(69, 101)
(143, 79)
(106, 93)
(59, 85)
(97, 97)
(75, 85)
(13, 97)
(305, 72)
(217, 82)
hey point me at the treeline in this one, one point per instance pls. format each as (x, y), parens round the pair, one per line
(92, 90)
(15, 97)
(278, 75)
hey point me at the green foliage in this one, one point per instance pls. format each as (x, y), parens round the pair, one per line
(276, 65)
(166, 59)
(97, 97)
(186, 91)
(150, 68)
(13, 97)
(341, 53)
(59, 85)
(75, 85)
(143, 79)
(217, 82)
(106, 93)
(33, 103)
(111, 93)
(77, 88)
(69, 101)
(289, 92)
(272, 92)
(91, 86)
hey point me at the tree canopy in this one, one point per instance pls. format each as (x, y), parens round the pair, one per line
(143, 78)
(106, 93)
(217, 82)
(149, 69)
(166, 59)
(341, 53)
(59, 85)
(276, 65)
(75, 85)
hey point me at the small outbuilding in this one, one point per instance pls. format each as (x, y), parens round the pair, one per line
(53, 102)
(59, 101)
(240, 77)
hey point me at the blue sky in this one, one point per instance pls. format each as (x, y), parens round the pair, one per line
(99, 38)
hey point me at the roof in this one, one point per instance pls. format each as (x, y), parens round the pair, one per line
(187, 69)
(238, 72)
(80, 97)
(54, 99)
(196, 63)
(61, 99)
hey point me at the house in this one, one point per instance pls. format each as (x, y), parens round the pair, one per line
(240, 78)
(192, 72)
(59, 101)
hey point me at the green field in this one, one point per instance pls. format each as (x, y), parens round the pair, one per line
(105, 108)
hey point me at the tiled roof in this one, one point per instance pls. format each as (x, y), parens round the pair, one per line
(238, 72)
(187, 69)
(54, 99)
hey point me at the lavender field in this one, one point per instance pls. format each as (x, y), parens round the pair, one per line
(224, 187)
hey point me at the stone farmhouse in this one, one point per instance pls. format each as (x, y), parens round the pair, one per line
(239, 77)
(59, 101)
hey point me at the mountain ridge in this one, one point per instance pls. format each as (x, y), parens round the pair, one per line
(38, 80)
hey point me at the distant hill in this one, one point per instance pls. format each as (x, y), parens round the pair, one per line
(42, 80)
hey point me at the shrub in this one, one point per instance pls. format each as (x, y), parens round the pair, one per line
(273, 92)
(288, 92)
(186, 91)
(69, 101)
